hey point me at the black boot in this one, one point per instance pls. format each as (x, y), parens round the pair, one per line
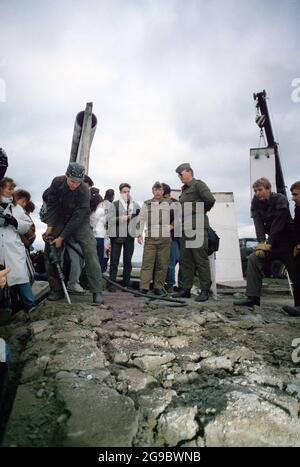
(160, 292)
(204, 295)
(184, 293)
(292, 310)
(143, 291)
(55, 295)
(98, 298)
(249, 301)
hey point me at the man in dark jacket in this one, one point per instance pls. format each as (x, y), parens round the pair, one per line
(194, 257)
(295, 191)
(120, 216)
(274, 231)
(67, 217)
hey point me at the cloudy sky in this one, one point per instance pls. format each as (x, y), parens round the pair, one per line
(171, 82)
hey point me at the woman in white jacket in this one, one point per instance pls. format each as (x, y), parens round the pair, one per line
(13, 223)
(98, 220)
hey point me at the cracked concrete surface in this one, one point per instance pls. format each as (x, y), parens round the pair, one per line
(129, 374)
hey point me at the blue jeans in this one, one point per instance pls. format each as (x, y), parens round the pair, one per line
(174, 259)
(25, 291)
(100, 253)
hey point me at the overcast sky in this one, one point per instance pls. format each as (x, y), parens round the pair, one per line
(171, 82)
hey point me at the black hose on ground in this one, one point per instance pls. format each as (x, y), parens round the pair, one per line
(150, 297)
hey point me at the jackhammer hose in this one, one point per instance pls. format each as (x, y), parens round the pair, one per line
(174, 301)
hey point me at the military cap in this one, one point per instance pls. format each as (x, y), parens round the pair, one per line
(182, 167)
(157, 185)
(75, 171)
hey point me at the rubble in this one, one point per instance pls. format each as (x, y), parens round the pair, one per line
(148, 375)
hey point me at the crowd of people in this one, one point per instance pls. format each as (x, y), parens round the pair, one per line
(89, 230)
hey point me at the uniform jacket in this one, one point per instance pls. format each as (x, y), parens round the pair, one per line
(12, 249)
(197, 191)
(272, 217)
(156, 216)
(67, 210)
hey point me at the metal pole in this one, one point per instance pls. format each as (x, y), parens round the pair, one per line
(83, 134)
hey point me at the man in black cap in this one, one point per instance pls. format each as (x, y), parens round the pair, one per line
(194, 257)
(67, 217)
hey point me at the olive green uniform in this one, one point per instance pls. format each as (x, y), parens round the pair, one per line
(156, 216)
(196, 259)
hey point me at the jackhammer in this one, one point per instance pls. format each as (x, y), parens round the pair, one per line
(55, 261)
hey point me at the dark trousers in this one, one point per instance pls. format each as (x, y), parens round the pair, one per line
(297, 281)
(128, 248)
(84, 236)
(100, 253)
(255, 269)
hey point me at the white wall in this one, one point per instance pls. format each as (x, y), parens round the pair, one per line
(222, 219)
(262, 164)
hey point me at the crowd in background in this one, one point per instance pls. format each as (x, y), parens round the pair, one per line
(84, 226)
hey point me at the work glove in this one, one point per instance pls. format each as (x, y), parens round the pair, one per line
(11, 220)
(261, 249)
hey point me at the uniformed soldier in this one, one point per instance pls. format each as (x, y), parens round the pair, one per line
(157, 215)
(194, 259)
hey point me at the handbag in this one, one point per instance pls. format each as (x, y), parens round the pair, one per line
(213, 241)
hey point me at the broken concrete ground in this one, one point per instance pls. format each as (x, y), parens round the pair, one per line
(125, 374)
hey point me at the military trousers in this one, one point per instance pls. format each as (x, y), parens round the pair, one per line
(155, 259)
(87, 242)
(194, 260)
(255, 271)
